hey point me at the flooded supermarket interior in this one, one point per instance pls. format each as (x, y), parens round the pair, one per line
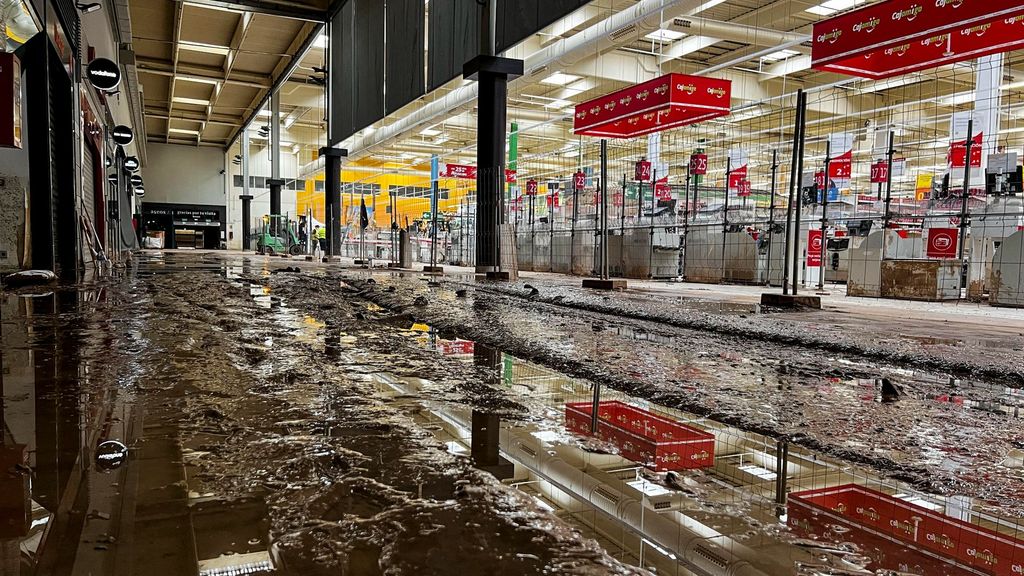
(512, 287)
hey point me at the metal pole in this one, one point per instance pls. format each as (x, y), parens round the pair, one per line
(433, 225)
(966, 191)
(604, 209)
(799, 163)
(781, 480)
(824, 216)
(686, 219)
(725, 213)
(771, 216)
(888, 193)
(594, 405)
(650, 251)
(622, 208)
(572, 233)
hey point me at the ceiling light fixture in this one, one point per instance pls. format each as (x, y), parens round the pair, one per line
(560, 79)
(88, 8)
(665, 35)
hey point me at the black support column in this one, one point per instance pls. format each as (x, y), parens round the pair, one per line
(492, 74)
(246, 218)
(276, 224)
(332, 202)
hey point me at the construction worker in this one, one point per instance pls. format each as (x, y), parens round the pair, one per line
(320, 233)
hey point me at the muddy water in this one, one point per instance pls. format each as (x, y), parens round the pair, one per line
(256, 437)
(945, 435)
(260, 433)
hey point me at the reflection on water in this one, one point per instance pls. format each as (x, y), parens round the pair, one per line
(254, 443)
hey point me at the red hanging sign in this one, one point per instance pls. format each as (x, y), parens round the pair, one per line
(662, 191)
(879, 172)
(814, 240)
(903, 36)
(698, 164)
(659, 104)
(466, 172)
(553, 199)
(579, 180)
(942, 242)
(744, 188)
(643, 171)
(819, 180)
(531, 187)
(958, 152)
(841, 167)
(460, 171)
(737, 176)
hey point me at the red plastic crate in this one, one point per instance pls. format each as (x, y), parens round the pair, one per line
(644, 437)
(901, 532)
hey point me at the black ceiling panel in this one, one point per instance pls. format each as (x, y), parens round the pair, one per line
(368, 90)
(405, 45)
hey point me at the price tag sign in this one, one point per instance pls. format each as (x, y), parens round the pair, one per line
(643, 171)
(879, 172)
(531, 187)
(698, 164)
(579, 180)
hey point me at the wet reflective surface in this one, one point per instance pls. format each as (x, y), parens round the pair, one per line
(323, 422)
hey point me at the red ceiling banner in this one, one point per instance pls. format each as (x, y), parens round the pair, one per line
(667, 102)
(902, 36)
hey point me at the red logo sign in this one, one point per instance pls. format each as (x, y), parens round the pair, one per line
(814, 243)
(698, 164)
(643, 171)
(579, 180)
(819, 179)
(942, 242)
(879, 172)
(531, 187)
(510, 176)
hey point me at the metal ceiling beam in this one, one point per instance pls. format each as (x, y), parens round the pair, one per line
(201, 73)
(237, 38)
(175, 50)
(279, 8)
(299, 46)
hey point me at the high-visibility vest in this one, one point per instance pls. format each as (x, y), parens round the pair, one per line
(321, 233)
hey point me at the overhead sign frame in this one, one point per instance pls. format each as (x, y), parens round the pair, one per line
(665, 102)
(903, 36)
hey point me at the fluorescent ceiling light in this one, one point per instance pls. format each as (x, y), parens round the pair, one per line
(558, 104)
(205, 48)
(429, 132)
(957, 99)
(1012, 85)
(664, 35)
(184, 131)
(833, 6)
(195, 101)
(560, 79)
(780, 55)
(820, 11)
(199, 80)
(264, 113)
(321, 41)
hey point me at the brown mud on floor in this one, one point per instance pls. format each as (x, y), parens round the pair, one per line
(261, 429)
(946, 435)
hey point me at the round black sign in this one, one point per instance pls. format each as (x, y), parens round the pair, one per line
(136, 180)
(122, 135)
(110, 455)
(103, 74)
(131, 163)
(112, 178)
(140, 191)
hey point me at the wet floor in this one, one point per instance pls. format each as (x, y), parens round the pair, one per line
(314, 422)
